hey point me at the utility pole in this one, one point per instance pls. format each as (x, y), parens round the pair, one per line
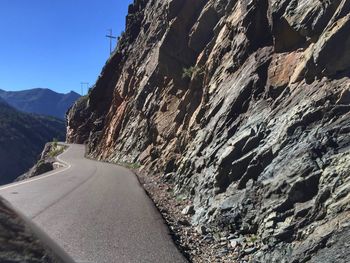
(82, 84)
(111, 37)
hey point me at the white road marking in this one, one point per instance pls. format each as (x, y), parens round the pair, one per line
(68, 166)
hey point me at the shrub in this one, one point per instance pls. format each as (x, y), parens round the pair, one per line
(54, 142)
(56, 151)
(129, 165)
(191, 71)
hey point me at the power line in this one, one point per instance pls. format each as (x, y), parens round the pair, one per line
(82, 84)
(111, 37)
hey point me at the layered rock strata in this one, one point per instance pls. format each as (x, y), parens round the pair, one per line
(245, 106)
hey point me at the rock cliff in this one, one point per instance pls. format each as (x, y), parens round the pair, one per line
(244, 105)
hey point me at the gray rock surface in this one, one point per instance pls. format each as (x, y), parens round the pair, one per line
(256, 132)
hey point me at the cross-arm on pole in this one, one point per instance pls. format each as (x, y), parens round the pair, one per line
(111, 37)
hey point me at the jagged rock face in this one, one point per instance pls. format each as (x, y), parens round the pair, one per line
(255, 132)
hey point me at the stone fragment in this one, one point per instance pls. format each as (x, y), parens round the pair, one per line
(188, 210)
(269, 224)
(201, 230)
(236, 242)
(183, 222)
(250, 250)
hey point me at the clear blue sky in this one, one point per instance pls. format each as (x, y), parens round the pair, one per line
(56, 44)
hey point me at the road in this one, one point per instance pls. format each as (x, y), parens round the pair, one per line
(97, 212)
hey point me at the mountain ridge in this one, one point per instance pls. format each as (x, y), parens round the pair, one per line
(22, 137)
(41, 101)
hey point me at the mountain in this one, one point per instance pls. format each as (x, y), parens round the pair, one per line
(239, 112)
(40, 101)
(22, 137)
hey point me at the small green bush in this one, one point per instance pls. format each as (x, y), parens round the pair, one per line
(56, 150)
(54, 142)
(191, 71)
(129, 165)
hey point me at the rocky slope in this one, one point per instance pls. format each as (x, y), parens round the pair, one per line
(40, 101)
(19, 243)
(22, 137)
(47, 161)
(244, 107)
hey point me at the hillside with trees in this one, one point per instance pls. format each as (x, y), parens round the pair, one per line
(22, 137)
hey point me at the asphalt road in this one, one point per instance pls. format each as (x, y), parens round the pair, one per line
(97, 212)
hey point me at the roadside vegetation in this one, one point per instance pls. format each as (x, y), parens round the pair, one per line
(56, 148)
(129, 165)
(188, 73)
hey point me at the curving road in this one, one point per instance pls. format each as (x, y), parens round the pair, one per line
(97, 212)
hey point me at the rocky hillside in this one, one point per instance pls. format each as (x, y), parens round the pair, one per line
(19, 243)
(22, 138)
(40, 101)
(47, 162)
(244, 107)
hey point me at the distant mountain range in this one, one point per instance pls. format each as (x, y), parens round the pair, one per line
(22, 138)
(40, 101)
